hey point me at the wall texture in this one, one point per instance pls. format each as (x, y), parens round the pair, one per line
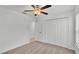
(15, 29)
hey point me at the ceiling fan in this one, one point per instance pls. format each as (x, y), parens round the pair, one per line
(38, 10)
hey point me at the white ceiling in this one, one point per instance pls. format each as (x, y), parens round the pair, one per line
(52, 11)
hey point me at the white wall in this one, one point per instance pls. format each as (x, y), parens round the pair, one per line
(14, 29)
(59, 32)
(77, 33)
(77, 29)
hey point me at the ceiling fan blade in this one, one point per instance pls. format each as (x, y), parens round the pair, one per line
(44, 13)
(28, 10)
(24, 13)
(45, 7)
(34, 6)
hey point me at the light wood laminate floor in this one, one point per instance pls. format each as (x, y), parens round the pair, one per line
(37, 47)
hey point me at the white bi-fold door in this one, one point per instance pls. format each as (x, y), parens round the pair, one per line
(58, 32)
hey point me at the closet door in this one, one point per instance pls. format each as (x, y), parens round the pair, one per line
(57, 32)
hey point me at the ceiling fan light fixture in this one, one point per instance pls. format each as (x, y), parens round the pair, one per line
(38, 10)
